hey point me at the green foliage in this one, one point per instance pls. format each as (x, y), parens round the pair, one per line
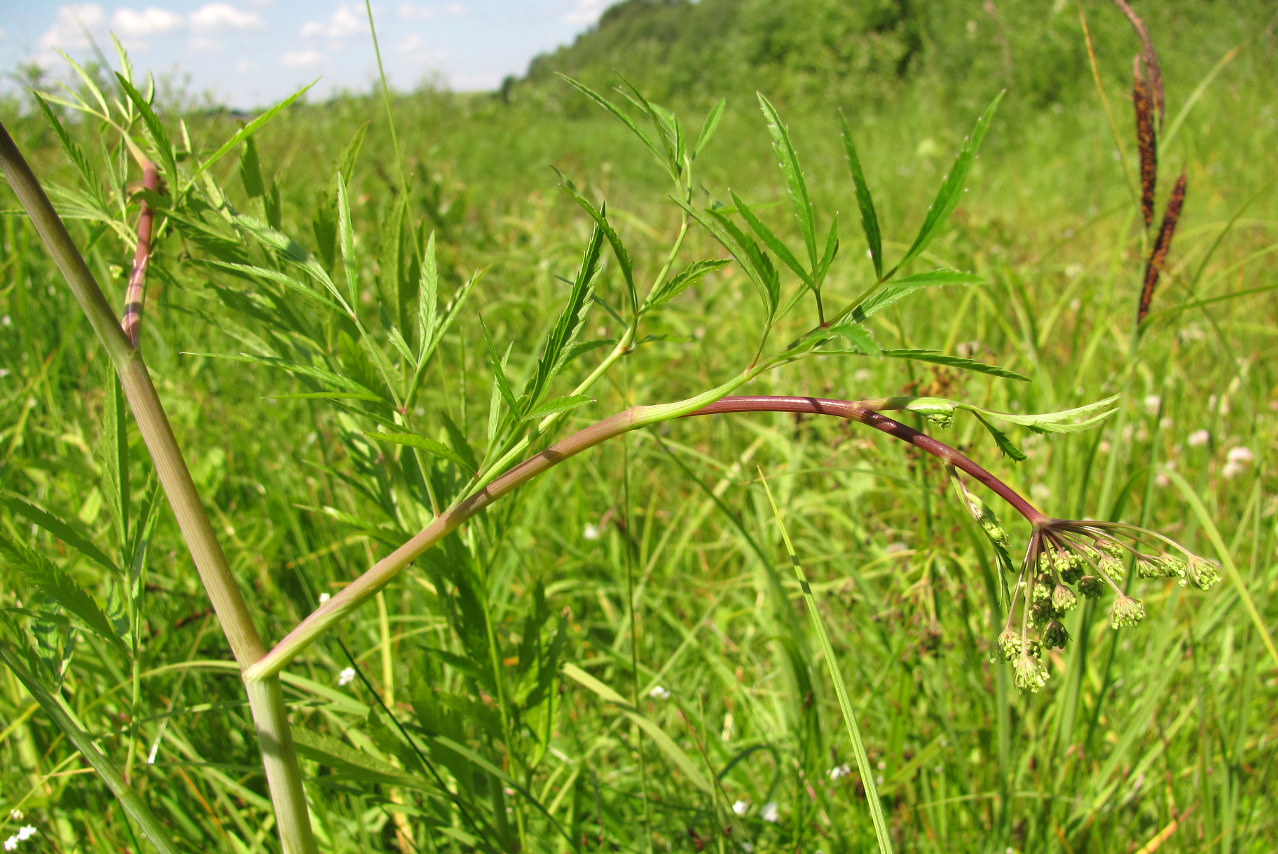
(614, 655)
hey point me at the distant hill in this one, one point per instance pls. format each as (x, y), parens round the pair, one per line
(847, 51)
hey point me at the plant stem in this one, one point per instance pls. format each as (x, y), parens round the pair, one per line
(266, 697)
(713, 402)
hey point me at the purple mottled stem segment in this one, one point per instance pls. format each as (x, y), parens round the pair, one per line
(135, 295)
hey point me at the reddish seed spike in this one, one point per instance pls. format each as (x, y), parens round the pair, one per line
(1145, 141)
(1159, 255)
(1152, 69)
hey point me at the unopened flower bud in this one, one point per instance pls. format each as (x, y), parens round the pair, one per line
(1091, 586)
(1126, 612)
(1064, 600)
(1042, 613)
(1007, 646)
(1201, 573)
(1055, 636)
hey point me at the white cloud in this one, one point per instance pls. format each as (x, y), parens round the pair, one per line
(201, 44)
(347, 20)
(223, 16)
(148, 22)
(415, 12)
(300, 58)
(585, 12)
(410, 44)
(244, 66)
(70, 24)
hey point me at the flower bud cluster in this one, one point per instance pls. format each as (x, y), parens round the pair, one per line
(1069, 560)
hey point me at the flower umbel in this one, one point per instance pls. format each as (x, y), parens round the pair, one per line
(1068, 559)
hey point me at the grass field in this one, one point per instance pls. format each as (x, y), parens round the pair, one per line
(620, 655)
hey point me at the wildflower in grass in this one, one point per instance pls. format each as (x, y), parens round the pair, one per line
(770, 812)
(1198, 438)
(24, 833)
(1236, 461)
(346, 676)
(659, 693)
(740, 807)
(590, 532)
(840, 771)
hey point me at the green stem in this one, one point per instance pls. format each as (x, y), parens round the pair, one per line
(266, 698)
(713, 402)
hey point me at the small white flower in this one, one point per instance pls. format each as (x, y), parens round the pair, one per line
(11, 844)
(740, 807)
(5, 321)
(1240, 454)
(770, 812)
(15, 814)
(324, 597)
(1198, 438)
(26, 832)
(1152, 403)
(346, 676)
(590, 532)
(840, 771)
(659, 693)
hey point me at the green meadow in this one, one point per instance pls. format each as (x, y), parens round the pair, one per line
(742, 631)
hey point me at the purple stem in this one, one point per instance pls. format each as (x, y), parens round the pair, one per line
(857, 411)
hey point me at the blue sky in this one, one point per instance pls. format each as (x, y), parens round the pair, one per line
(251, 53)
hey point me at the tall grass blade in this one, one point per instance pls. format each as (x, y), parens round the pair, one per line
(65, 720)
(864, 769)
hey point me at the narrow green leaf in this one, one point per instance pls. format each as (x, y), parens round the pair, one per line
(88, 174)
(501, 385)
(430, 446)
(1006, 445)
(685, 278)
(1065, 421)
(769, 239)
(625, 119)
(58, 585)
(558, 404)
(89, 84)
(427, 301)
(669, 128)
(947, 198)
(938, 358)
(159, 137)
(67, 532)
(708, 128)
(864, 202)
(891, 292)
(346, 240)
(858, 336)
(270, 275)
(314, 372)
(614, 240)
(751, 259)
(569, 323)
(788, 160)
(251, 128)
